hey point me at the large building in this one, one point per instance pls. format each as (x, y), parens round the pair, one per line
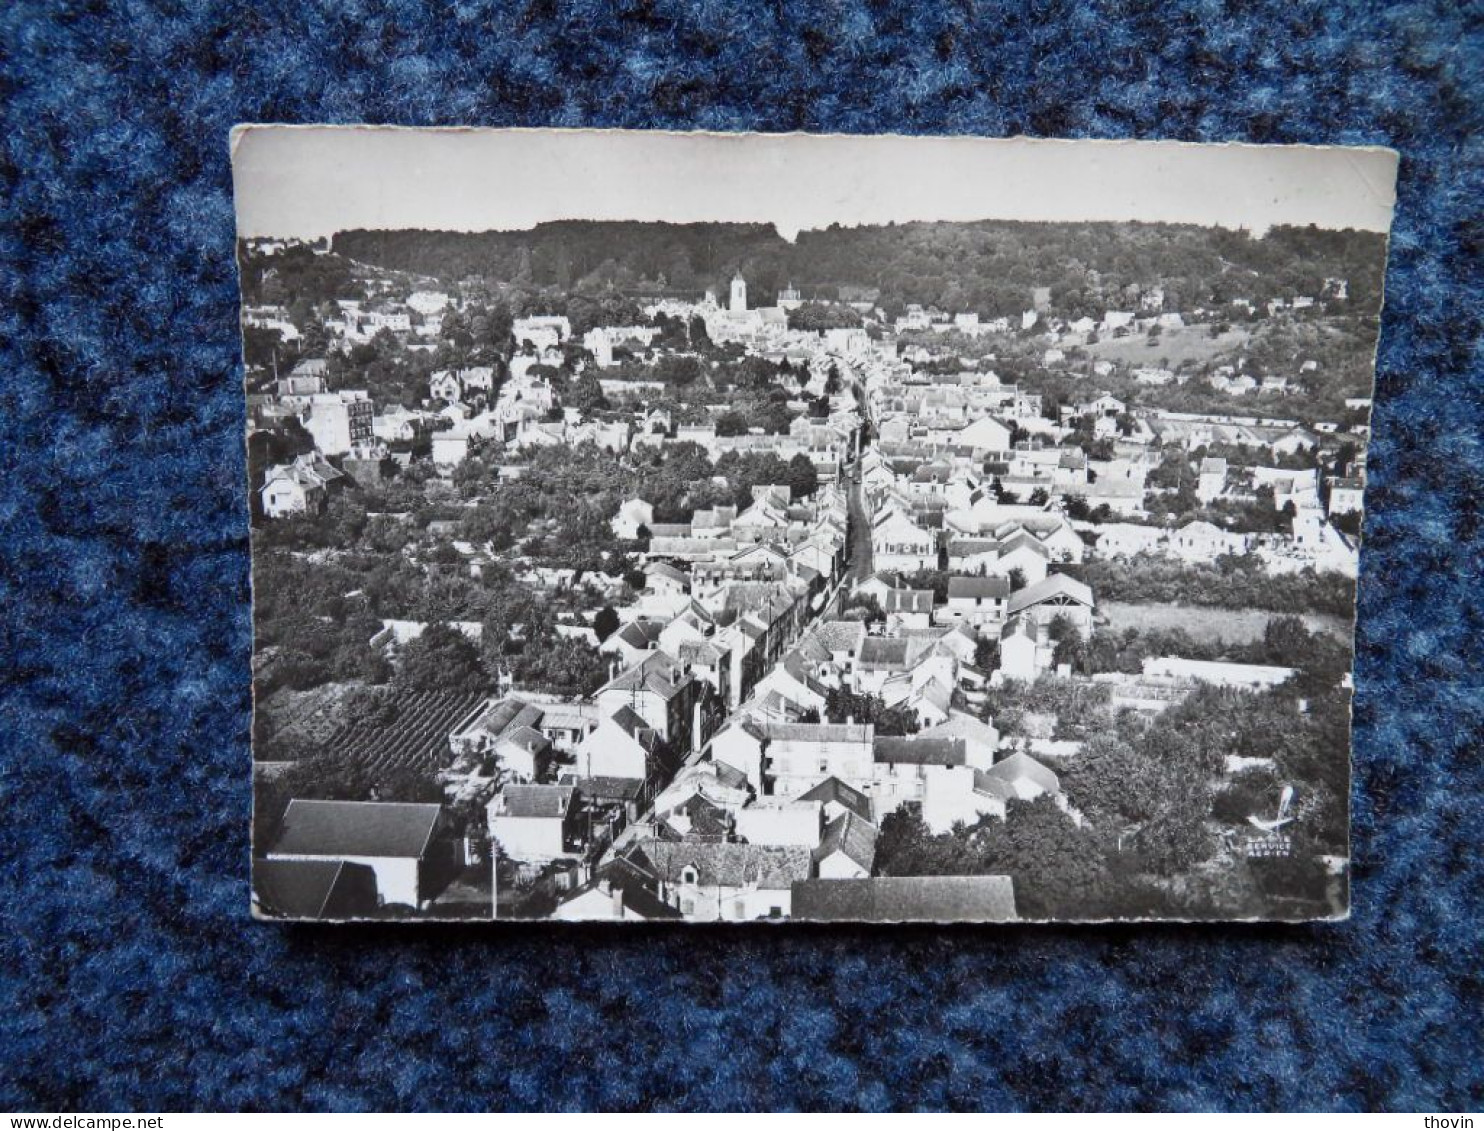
(341, 423)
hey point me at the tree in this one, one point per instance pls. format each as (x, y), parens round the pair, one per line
(842, 705)
(803, 476)
(559, 665)
(606, 623)
(1112, 784)
(440, 659)
(731, 423)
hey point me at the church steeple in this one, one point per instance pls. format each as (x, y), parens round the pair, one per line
(738, 304)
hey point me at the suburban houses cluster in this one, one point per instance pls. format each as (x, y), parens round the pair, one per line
(785, 674)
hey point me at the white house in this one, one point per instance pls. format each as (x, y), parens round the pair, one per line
(340, 422)
(401, 843)
(1212, 480)
(976, 601)
(297, 488)
(633, 514)
(533, 824)
(1024, 654)
(986, 435)
(898, 543)
(847, 850)
(777, 821)
(622, 745)
(734, 882)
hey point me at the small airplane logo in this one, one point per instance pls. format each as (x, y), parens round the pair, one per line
(1285, 801)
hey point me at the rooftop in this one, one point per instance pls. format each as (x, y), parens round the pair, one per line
(356, 828)
(770, 867)
(917, 750)
(978, 588)
(533, 801)
(898, 899)
(313, 889)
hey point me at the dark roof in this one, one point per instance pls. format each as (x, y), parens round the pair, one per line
(313, 889)
(657, 672)
(905, 899)
(642, 634)
(356, 828)
(849, 834)
(833, 789)
(908, 601)
(610, 788)
(708, 821)
(639, 886)
(978, 588)
(882, 651)
(504, 715)
(917, 751)
(550, 801)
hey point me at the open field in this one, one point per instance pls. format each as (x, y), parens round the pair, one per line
(1235, 626)
(1172, 348)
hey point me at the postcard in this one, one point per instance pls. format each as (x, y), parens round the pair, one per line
(706, 527)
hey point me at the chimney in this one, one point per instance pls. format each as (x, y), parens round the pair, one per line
(617, 896)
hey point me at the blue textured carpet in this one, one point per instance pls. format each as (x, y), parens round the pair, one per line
(130, 975)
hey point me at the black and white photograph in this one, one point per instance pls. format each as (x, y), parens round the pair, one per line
(703, 527)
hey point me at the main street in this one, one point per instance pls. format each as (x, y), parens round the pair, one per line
(857, 569)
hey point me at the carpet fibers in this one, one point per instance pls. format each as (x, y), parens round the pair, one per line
(130, 975)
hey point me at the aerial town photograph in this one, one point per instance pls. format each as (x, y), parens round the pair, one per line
(950, 571)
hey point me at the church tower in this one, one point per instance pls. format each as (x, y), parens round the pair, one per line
(739, 294)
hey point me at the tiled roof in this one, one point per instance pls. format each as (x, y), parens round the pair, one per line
(770, 867)
(840, 635)
(608, 788)
(833, 789)
(657, 672)
(919, 751)
(849, 834)
(816, 732)
(965, 727)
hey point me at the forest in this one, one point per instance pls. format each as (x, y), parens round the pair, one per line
(1157, 796)
(988, 266)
